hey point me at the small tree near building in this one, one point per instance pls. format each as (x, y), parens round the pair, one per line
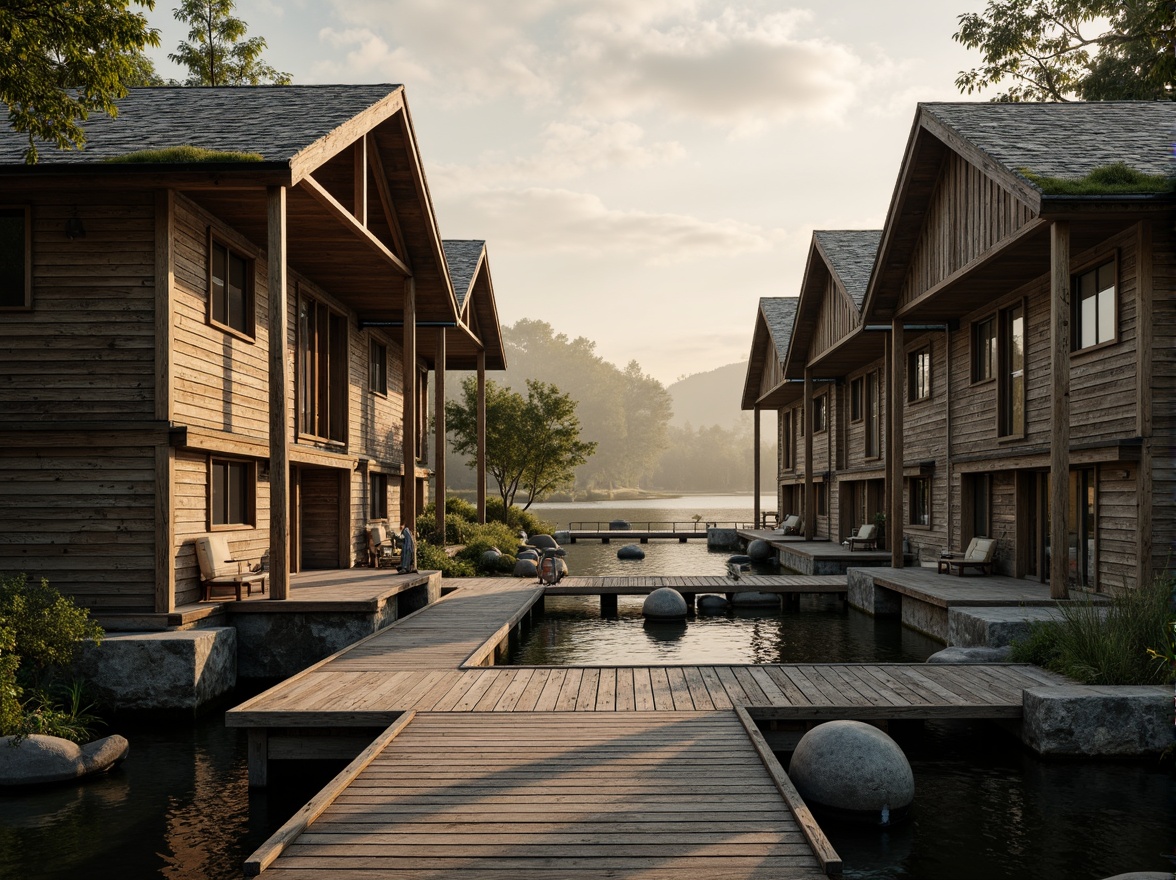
(216, 53)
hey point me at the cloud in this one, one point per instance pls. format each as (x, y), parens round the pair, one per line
(538, 219)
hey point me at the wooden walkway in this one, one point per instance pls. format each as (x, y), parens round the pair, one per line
(638, 586)
(642, 794)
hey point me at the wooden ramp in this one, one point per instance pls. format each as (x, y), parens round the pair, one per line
(541, 796)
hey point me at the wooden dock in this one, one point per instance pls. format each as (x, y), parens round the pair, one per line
(641, 536)
(511, 762)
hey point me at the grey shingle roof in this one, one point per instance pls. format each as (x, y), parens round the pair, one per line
(1067, 140)
(462, 256)
(851, 252)
(779, 314)
(275, 121)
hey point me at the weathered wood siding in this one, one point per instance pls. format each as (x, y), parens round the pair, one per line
(855, 432)
(969, 214)
(925, 441)
(1163, 446)
(836, 319)
(1115, 520)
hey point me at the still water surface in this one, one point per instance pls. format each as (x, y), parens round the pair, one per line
(985, 808)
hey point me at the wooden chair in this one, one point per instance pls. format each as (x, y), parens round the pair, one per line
(978, 556)
(790, 526)
(383, 549)
(219, 569)
(865, 539)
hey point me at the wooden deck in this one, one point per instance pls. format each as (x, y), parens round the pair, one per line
(640, 586)
(607, 796)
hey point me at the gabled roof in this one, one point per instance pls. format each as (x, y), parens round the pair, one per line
(279, 122)
(850, 253)
(463, 257)
(769, 343)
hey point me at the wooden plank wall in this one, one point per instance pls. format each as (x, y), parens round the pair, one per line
(855, 432)
(969, 213)
(925, 440)
(836, 318)
(1164, 393)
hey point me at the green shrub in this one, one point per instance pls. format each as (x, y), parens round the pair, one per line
(434, 558)
(1040, 647)
(457, 528)
(60, 711)
(10, 691)
(517, 518)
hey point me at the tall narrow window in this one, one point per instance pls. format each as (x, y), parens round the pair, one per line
(230, 289)
(856, 399)
(231, 492)
(977, 499)
(322, 372)
(919, 374)
(1083, 533)
(873, 417)
(920, 501)
(820, 413)
(787, 446)
(1095, 318)
(1012, 385)
(378, 368)
(15, 264)
(422, 400)
(378, 486)
(984, 350)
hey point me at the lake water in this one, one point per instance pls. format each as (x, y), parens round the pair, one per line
(985, 808)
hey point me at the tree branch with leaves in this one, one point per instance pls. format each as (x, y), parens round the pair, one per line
(217, 53)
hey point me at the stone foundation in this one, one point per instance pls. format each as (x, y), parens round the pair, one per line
(993, 627)
(1092, 721)
(161, 671)
(865, 596)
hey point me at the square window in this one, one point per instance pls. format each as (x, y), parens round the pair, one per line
(230, 289)
(232, 489)
(378, 368)
(1095, 313)
(919, 374)
(15, 263)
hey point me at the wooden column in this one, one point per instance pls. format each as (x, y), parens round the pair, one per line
(439, 433)
(810, 518)
(1144, 352)
(1059, 447)
(896, 514)
(408, 487)
(480, 467)
(755, 469)
(279, 403)
(165, 456)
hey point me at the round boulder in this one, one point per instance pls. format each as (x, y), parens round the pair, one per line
(619, 525)
(543, 542)
(630, 551)
(751, 599)
(562, 537)
(713, 604)
(490, 557)
(38, 759)
(971, 655)
(664, 603)
(853, 771)
(739, 559)
(760, 551)
(528, 553)
(526, 568)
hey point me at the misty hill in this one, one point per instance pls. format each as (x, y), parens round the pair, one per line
(710, 398)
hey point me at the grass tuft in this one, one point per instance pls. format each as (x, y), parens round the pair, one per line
(185, 155)
(1115, 179)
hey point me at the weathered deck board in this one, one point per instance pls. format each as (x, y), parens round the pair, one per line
(634, 809)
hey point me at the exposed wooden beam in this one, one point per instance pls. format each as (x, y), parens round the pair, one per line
(338, 140)
(439, 433)
(279, 403)
(1059, 449)
(165, 569)
(328, 201)
(480, 467)
(386, 202)
(359, 165)
(810, 518)
(1144, 373)
(894, 452)
(408, 487)
(755, 446)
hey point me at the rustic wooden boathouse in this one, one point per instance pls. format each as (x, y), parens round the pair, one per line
(1023, 342)
(142, 400)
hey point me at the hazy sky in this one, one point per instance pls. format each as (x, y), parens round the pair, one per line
(642, 170)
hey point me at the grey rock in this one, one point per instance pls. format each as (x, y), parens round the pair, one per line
(526, 568)
(971, 655)
(527, 553)
(760, 551)
(739, 559)
(619, 525)
(630, 551)
(751, 599)
(712, 604)
(491, 556)
(1143, 875)
(664, 603)
(39, 759)
(562, 537)
(855, 770)
(1097, 720)
(543, 542)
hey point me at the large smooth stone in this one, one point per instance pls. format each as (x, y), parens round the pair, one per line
(957, 654)
(750, 599)
(527, 553)
(739, 559)
(713, 604)
(40, 759)
(491, 556)
(526, 568)
(664, 603)
(854, 771)
(760, 551)
(619, 525)
(630, 551)
(543, 542)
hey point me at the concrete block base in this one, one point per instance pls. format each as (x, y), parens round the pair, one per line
(165, 671)
(924, 617)
(1098, 721)
(863, 595)
(993, 627)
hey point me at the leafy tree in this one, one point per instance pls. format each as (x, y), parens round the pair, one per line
(65, 60)
(532, 444)
(216, 53)
(1051, 50)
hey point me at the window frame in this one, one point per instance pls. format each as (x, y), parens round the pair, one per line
(787, 441)
(857, 399)
(308, 390)
(378, 367)
(248, 488)
(1088, 268)
(249, 291)
(27, 256)
(913, 493)
(913, 372)
(1005, 429)
(820, 413)
(985, 351)
(873, 403)
(377, 495)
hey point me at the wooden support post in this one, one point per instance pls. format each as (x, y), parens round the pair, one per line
(439, 433)
(608, 605)
(1145, 352)
(689, 597)
(360, 181)
(810, 519)
(1059, 446)
(279, 402)
(165, 456)
(755, 445)
(480, 467)
(257, 752)
(408, 489)
(894, 519)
